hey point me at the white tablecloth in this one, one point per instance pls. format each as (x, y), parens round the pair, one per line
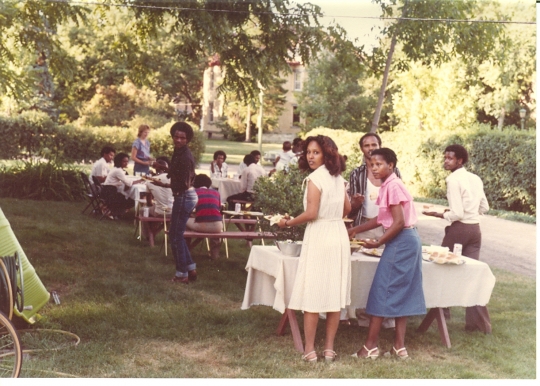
(227, 187)
(271, 278)
(134, 192)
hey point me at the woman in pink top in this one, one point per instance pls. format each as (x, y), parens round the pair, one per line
(396, 291)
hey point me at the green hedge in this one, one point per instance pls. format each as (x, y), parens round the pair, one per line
(35, 134)
(505, 160)
(41, 181)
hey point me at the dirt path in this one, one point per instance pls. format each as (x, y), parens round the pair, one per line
(506, 244)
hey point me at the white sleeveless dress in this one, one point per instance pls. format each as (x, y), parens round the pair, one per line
(323, 277)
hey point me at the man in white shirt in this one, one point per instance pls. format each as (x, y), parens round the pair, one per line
(257, 155)
(102, 166)
(467, 201)
(248, 178)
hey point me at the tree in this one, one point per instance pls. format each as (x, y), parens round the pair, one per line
(333, 95)
(28, 40)
(433, 42)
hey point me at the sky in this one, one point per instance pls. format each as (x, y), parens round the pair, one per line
(357, 17)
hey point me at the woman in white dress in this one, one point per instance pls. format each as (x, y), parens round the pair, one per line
(323, 277)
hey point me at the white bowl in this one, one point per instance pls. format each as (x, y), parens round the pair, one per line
(291, 249)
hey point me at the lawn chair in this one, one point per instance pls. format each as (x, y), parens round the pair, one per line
(91, 194)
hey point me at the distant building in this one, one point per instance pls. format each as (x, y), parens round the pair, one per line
(212, 109)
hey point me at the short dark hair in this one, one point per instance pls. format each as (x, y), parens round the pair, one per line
(163, 158)
(287, 145)
(183, 127)
(459, 151)
(297, 141)
(370, 135)
(218, 153)
(249, 159)
(202, 180)
(388, 155)
(118, 159)
(334, 162)
(107, 150)
(255, 153)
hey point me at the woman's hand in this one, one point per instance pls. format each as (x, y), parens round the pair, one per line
(352, 232)
(283, 222)
(371, 243)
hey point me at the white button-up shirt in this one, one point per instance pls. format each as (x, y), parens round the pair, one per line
(466, 197)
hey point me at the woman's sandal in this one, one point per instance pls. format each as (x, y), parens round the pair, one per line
(311, 360)
(398, 355)
(329, 358)
(369, 353)
(184, 280)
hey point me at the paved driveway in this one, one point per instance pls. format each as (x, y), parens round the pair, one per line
(506, 244)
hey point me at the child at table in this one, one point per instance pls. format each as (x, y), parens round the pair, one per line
(396, 291)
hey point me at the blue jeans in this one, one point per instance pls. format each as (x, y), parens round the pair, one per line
(182, 207)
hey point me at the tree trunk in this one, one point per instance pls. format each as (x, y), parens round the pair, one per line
(260, 119)
(248, 124)
(377, 117)
(501, 119)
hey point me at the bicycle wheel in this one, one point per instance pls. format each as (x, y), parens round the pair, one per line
(10, 349)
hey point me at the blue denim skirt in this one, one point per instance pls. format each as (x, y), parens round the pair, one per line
(397, 286)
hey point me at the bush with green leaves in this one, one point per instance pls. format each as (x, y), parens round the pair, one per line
(280, 194)
(41, 181)
(35, 134)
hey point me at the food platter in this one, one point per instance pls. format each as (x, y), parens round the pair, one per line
(372, 251)
(450, 259)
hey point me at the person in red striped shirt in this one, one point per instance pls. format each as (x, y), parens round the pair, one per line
(208, 216)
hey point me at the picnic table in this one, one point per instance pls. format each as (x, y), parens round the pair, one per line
(271, 278)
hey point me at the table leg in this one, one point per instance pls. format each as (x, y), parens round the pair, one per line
(290, 316)
(436, 314)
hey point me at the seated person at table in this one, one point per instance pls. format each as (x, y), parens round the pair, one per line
(257, 155)
(248, 178)
(114, 189)
(102, 166)
(164, 166)
(159, 197)
(208, 217)
(218, 166)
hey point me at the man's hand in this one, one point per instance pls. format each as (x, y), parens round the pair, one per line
(434, 214)
(356, 201)
(352, 232)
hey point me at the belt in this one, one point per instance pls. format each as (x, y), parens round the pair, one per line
(410, 227)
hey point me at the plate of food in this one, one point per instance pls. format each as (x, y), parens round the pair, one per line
(347, 220)
(355, 245)
(147, 178)
(449, 259)
(372, 251)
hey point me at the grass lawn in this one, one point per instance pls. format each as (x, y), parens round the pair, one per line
(133, 323)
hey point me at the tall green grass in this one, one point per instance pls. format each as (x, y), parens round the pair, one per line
(133, 323)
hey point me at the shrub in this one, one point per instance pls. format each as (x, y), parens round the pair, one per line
(35, 134)
(41, 181)
(279, 194)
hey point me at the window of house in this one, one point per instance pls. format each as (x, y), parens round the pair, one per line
(211, 111)
(297, 80)
(296, 116)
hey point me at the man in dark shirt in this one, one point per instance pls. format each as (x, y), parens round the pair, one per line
(182, 173)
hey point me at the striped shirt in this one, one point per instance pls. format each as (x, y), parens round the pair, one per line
(208, 206)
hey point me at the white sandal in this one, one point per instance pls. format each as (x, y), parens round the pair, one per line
(396, 353)
(369, 353)
(305, 357)
(328, 358)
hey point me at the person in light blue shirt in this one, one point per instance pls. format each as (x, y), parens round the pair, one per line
(140, 151)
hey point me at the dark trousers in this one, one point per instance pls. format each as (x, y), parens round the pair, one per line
(244, 196)
(469, 235)
(116, 202)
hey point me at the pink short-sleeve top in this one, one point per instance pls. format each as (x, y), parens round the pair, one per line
(393, 192)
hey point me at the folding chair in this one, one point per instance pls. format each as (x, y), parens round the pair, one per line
(90, 193)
